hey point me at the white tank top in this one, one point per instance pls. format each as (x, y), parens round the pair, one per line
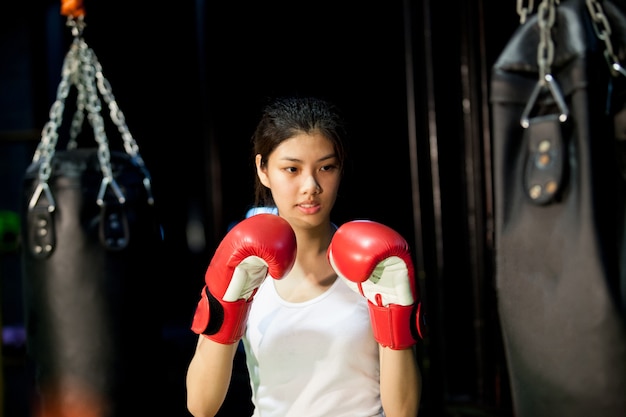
(312, 359)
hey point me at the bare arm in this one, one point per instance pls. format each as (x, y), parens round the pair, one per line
(400, 382)
(208, 376)
(261, 245)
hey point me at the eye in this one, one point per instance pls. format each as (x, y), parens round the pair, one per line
(328, 168)
(291, 169)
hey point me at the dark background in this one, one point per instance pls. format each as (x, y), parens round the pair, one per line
(191, 78)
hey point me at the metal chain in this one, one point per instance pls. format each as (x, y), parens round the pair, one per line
(49, 135)
(118, 118)
(603, 31)
(545, 57)
(79, 116)
(82, 70)
(545, 51)
(93, 106)
(600, 24)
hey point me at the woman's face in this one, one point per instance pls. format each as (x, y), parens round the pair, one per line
(303, 174)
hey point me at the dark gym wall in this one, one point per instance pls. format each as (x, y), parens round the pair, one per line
(192, 82)
(191, 79)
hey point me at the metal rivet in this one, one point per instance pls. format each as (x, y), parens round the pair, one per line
(535, 192)
(543, 160)
(544, 145)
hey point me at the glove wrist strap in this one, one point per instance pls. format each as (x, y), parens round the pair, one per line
(393, 325)
(221, 321)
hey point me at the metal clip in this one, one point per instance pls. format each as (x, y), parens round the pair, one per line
(42, 187)
(116, 189)
(549, 82)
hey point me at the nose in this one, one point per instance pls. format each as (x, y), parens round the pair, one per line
(311, 186)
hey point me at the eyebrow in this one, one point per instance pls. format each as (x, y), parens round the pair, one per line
(323, 158)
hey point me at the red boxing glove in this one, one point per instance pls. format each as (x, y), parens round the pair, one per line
(257, 246)
(375, 262)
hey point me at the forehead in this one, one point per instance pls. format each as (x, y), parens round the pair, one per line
(305, 146)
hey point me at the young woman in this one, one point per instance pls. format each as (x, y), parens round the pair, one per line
(316, 344)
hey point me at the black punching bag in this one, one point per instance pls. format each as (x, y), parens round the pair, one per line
(90, 286)
(559, 187)
(91, 244)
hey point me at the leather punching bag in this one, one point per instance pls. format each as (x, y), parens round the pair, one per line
(90, 254)
(560, 207)
(90, 282)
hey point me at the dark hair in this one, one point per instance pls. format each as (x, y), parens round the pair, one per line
(284, 118)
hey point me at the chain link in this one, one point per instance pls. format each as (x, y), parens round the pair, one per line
(524, 11)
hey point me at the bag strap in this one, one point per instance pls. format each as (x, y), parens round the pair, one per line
(82, 70)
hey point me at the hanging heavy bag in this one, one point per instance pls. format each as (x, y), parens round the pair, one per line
(559, 186)
(91, 243)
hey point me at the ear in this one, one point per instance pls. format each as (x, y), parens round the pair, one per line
(261, 171)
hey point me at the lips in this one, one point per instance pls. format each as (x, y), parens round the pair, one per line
(308, 204)
(309, 207)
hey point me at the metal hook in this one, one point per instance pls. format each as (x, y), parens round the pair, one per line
(42, 187)
(106, 182)
(549, 82)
